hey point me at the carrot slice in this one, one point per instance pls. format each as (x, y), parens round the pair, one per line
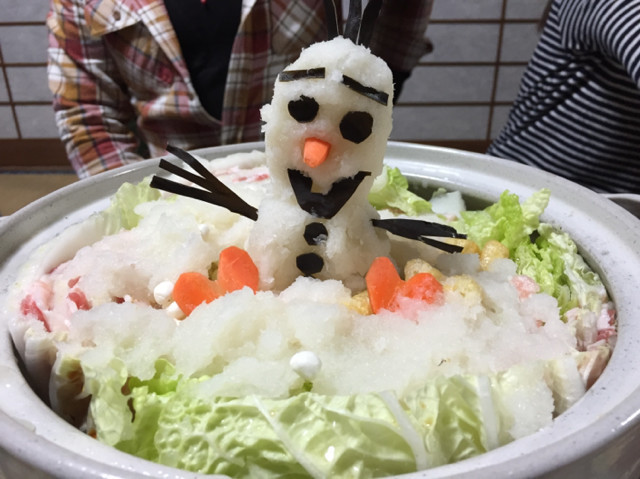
(383, 282)
(423, 287)
(315, 151)
(236, 270)
(192, 289)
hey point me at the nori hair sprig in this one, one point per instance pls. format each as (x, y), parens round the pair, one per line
(215, 192)
(369, 17)
(360, 24)
(332, 19)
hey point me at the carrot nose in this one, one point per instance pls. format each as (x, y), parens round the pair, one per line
(315, 151)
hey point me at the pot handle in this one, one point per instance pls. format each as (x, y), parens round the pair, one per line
(629, 201)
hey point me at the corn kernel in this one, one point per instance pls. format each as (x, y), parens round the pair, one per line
(491, 251)
(465, 286)
(417, 265)
(468, 246)
(360, 303)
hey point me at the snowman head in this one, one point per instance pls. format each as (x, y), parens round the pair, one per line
(335, 99)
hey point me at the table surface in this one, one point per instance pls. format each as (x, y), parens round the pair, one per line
(20, 189)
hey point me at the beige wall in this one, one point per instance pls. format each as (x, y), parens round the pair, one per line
(458, 95)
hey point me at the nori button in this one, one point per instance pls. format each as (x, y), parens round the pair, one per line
(315, 233)
(309, 263)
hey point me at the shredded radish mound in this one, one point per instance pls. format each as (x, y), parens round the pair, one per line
(172, 237)
(82, 267)
(246, 340)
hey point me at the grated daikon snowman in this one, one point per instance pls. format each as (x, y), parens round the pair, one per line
(341, 94)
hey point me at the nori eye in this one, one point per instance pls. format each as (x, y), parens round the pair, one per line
(304, 109)
(356, 126)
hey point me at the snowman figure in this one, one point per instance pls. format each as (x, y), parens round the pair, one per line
(326, 131)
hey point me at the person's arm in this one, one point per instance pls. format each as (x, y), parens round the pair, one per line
(91, 104)
(399, 36)
(611, 27)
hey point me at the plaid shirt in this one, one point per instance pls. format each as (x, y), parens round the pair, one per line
(118, 76)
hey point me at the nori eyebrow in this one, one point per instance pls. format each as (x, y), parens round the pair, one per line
(292, 75)
(375, 95)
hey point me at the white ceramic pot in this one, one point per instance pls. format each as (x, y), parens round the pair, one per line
(599, 437)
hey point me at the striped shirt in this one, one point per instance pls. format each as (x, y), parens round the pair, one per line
(118, 75)
(577, 113)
